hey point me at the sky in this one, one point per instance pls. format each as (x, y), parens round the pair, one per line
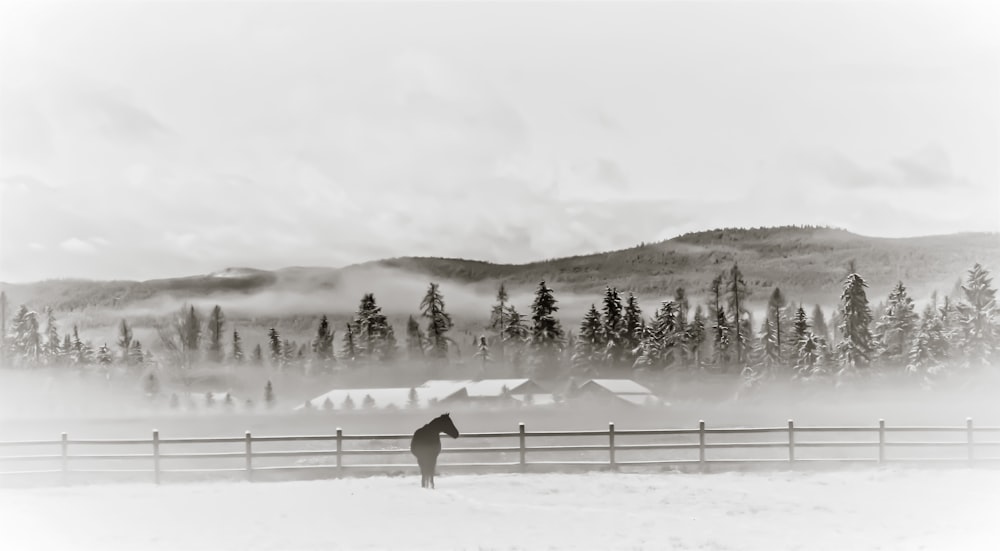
(147, 140)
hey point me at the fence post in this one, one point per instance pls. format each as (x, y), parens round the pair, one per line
(701, 445)
(881, 441)
(156, 456)
(972, 442)
(791, 442)
(520, 428)
(249, 456)
(340, 448)
(64, 444)
(611, 444)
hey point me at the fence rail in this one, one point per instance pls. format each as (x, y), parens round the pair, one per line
(67, 456)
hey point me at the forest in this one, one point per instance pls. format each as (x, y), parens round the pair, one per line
(952, 334)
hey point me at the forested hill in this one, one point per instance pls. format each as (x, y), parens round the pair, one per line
(807, 263)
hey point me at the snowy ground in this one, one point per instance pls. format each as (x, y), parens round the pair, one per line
(848, 510)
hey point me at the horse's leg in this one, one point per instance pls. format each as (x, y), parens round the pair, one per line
(433, 467)
(423, 471)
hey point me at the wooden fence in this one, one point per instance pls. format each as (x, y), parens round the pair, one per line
(341, 454)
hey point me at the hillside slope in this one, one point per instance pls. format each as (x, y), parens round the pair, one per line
(807, 263)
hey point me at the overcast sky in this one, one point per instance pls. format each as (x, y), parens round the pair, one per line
(151, 140)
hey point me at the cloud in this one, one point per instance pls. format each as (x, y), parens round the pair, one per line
(929, 167)
(78, 246)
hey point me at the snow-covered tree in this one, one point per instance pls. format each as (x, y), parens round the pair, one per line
(855, 350)
(546, 332)
(894, 330)
(589, 347)
(977, 319)
(216, 326)
(438, 323)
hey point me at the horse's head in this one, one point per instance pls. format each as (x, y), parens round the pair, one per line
(445, 425)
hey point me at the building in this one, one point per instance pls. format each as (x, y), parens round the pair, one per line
(615, 390)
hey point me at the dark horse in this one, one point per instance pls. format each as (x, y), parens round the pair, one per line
(426, 445)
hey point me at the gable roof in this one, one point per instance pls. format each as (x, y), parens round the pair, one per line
(619, 386)
(495, 387)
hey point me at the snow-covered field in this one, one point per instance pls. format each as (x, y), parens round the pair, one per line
(847, 510)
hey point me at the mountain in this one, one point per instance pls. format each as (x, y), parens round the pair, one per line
(808, 263)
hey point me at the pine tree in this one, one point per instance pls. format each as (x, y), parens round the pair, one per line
(125, 341)
(151, 386)
(348, 403)
(855, 350)
(977, 319)
(368, 402)
(237, 353)
(613, 328)
(328, 404)
(546, 332)
(104, 355)
(414, 340)
(483, 352)
(27, 341)
(190, 333)
(720, 324)
(53, 349)
(349, 352)
(931, 347)
(800, 326)
(634, 325)
(516, 337)
(438, 323)
(737, 294)
(269, 399)
(3, 328)
(277, 357)
(775, 310)
(322, 345)
(894, 330)
(498, 319)
(769, 359)
(590, 344)
(135, 355)
(696, 336)
(412, 399)
(819, 326)
(257, 357)
(67, 346)
(216, 325)
(683, 307)
(810, 354)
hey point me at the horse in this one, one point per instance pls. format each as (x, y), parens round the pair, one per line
(426, 445)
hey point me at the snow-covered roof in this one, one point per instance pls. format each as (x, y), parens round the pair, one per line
(495, 387)
(442, 388)
(640, 399)
(620, 386)
(535, 400)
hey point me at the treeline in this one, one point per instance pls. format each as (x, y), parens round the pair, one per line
(614, 339)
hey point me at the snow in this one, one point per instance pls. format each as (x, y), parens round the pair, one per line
(857, 510)
(491, 388)
(620, 386)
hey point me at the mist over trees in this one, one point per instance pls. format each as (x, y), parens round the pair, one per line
(615, 338)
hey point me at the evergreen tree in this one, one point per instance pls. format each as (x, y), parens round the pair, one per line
(348, 403)
(769, 359)
(257, 357)
(237, 352)
(498, 319)
(216, 326)
(274, 341)
(613, 328)
(894, 330)
(412, 399)
(800, 326)
(3, 328)
(67, 346)
(438, 323)
(516, 337)
(414, 340)
(810, 354)
(634, 325)
(151, 386)
(349, 352)
(977, 319)
(737, 294)
(683, 307)
(27, 341)
(368, 402)
(104, 355)
(931, 347)
(546, 332)
(125, 341)
(371, 331)
(775, 309)
(135, 355)
(483, 352)
(855, 350)
(696, 336)
(720, 324)
(590, 344)
(269, 399)
(190, 333)
(328, 404)
(53, 350)
(322, 345)
(819, 326)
